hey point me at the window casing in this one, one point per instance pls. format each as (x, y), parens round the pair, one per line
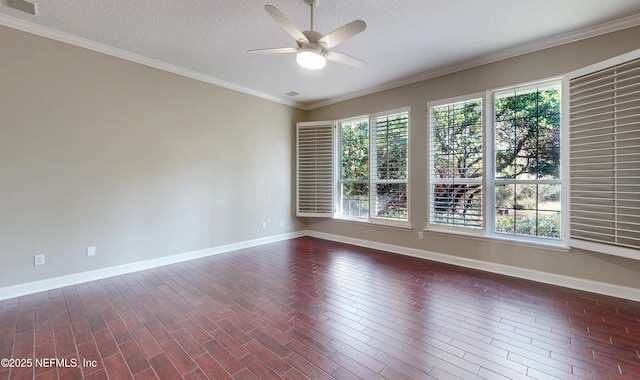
(353, 181)
(456, 163)
(526, 169)
(373, 166)
(501, 177)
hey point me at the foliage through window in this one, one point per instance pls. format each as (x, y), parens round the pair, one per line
(456, 164)
(374, 169)
(527, 160)
(523, 187)
(354, 168)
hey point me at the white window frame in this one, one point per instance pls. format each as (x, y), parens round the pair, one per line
(450, 101)
(491, 177)
(338, 169)
(488, 172)
(371, 182)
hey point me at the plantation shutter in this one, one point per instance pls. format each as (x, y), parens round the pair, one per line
(455, 163)
(604, 169)
(389, 164)
(314, 168)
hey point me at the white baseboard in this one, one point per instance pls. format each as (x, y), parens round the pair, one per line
(527, 274)
(78, 278)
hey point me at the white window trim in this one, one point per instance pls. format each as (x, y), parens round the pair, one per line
(565, 156)
(491, 180)
(442, 227)
(539, 243)
(390, 221)
(337, 151)
(384, 222)
(487, 232)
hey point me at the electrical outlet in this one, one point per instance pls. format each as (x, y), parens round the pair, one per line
(420, 235)
(91, 251)
(38, 260)
(281, 223)
(264, 225)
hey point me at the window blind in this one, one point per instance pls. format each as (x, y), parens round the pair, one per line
(605, 159)
(389, 165)
(314, 168)
(455, 164)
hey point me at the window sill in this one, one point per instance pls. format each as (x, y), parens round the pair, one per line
(405, 226)
(558, 246)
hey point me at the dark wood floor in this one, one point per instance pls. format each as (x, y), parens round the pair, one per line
(309, 308)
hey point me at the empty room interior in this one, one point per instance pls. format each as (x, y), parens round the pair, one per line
(301, 189)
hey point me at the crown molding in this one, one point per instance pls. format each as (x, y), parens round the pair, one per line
(608, 27)
(43, 31)
(594, 31)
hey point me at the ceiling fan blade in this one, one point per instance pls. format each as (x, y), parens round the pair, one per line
(285, 23)
(342, 33)
(273, 50)
(343, 58)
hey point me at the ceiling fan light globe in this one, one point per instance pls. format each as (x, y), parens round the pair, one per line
(311, 60)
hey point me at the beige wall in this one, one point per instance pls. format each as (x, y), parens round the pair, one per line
(539, 65)
(141, 163)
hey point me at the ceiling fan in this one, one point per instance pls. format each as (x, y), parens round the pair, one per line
(313, 47)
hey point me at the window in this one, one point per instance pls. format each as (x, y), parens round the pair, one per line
(456, 164)
(510, 166)
(604, 115)
(354, 168)
(374, 167)
(527, 181)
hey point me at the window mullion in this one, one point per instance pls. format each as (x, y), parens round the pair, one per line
(373, 165)
(489, 172)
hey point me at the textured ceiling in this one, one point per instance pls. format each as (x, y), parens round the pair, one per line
(405, 41)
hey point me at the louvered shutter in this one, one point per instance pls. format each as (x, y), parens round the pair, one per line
(389, 165)
(604, 139)
(314, 167)
(455, 163)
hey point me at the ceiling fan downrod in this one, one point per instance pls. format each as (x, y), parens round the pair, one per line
(312, 4)
(312, 47)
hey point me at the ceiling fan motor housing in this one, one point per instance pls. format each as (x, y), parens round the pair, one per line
(313, 47)
(313, 37)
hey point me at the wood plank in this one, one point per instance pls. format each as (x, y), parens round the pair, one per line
(310, 308)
